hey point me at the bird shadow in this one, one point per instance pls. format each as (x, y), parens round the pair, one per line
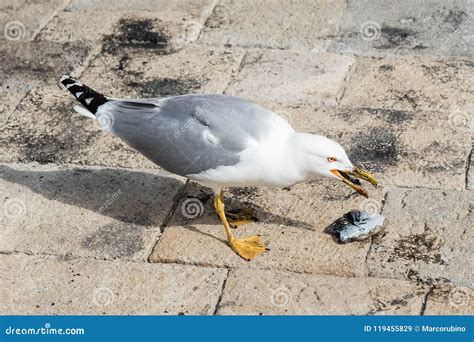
(133, 197)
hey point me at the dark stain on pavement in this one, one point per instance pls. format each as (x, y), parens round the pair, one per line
(63, 144)
(386, 67)
(418, 247)
(375, 149)
(137, 33)
(117, 240)
(392, 116)
(395, 37)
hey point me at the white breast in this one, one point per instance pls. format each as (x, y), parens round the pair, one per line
(265, 163)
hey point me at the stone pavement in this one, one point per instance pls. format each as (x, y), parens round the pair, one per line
(88, 226)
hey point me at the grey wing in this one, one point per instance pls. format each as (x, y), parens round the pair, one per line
(191, 133)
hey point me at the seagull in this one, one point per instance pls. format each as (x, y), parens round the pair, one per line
(219, 141)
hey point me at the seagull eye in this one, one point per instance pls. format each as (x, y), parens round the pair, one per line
(331, 159)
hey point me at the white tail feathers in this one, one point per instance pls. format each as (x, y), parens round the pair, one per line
(83, 111)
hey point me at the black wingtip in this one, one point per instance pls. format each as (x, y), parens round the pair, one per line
(88, 97)
(65, 80)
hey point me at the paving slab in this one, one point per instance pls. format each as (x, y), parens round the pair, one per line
(292, 224)
(22, 20)
(87, 212)
(291, 77)
(432, 240)
(273, 24)
(414, 84)
(252, 291)
(12, 91)
(427, 27)
(143, 21)
(446, 299)
(25, 66)
(39, 62)
(42, 285)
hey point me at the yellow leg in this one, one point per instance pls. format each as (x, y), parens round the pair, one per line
(240, 218)
(247, 248)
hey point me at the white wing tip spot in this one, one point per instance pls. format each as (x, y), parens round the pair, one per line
(211, 137)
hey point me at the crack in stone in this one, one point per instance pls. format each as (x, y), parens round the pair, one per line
(468, 167)
(172, 210)
(177, 197)
(239, 68)
(345, 82)
(425, 300)
(222, 293)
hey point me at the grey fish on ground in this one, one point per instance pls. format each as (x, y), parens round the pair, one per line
(357, 225)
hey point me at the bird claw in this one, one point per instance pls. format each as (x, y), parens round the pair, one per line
(248, 248)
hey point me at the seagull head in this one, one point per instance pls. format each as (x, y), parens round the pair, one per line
(325, 157)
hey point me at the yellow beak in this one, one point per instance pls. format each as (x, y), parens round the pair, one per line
(347, 177)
